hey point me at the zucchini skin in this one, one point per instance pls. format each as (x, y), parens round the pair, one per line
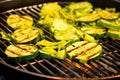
(24, 58)
(21, 52)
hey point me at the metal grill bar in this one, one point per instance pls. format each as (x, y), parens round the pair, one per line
(77, 75)
(4, 27)
(41, 65)
(111, 65)
(101, 72)
(34, 67)
(55, 67)
(78, 68)
(108, 65)
(21, 66)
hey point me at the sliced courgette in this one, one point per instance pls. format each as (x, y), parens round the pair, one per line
(83, 51)
(108, 15)
(63, 30)
(29, 35)
(109, 24)
(89, 18)
(96, 32)
(16, 21)
(66, 35)
(21, 52)
(80, 6)
(60, 25)
(114, 34)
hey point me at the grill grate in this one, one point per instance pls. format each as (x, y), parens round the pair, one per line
(107, 66)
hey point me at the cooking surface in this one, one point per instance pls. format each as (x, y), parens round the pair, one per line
(106, 67)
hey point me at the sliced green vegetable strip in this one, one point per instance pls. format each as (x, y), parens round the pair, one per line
(48, 52)
(85, 36)
(3, 35)
(52, 49)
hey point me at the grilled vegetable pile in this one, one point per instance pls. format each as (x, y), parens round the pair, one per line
(75, 28)
(23, 39)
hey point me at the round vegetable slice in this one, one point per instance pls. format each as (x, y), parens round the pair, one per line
(13, 21)
(66, 35)
(114, 34)
(16, 21)
(85, 6)
(21, 52)
(59, 24)
(89, 17)
(84, 51)
(28, 35)
(108, 15)
(95, 32)
(108, 24)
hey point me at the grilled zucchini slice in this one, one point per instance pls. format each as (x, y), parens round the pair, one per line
(29, 35)
(89, 18)
(96, 32)
(108, 15)
(63, 30)
(21, 52)
(84, 51)
(109, 24)
(114, 34)
(16, 21)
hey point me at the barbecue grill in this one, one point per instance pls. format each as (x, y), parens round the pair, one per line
(107, 67)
